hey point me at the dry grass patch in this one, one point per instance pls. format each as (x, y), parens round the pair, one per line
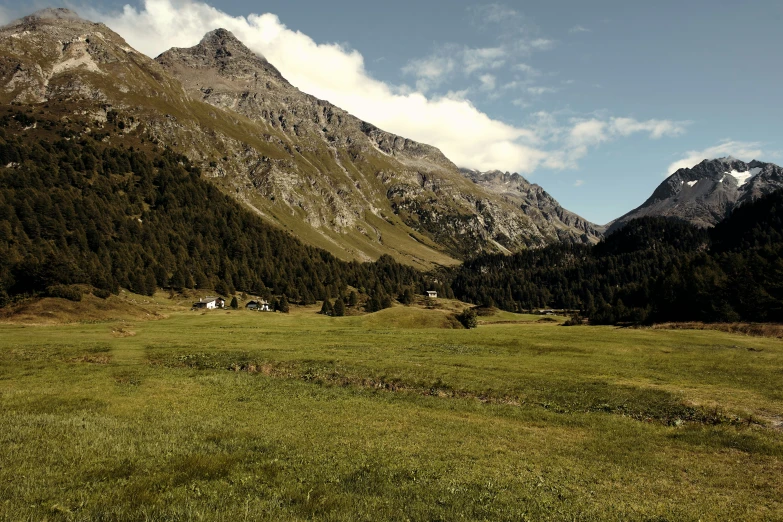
(771, 330)
(54, 310)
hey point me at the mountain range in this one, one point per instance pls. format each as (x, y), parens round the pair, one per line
(306, 166)
(301, 163)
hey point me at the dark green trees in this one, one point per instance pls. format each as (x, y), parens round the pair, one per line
(339, 307)
(467, 318)
(81, 212)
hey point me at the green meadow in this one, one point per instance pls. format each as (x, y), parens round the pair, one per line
(237, 415)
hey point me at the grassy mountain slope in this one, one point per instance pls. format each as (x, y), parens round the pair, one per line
(306, 166)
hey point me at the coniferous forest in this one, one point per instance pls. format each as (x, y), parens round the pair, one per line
(78, 211)
(652, 270)
(81, 212)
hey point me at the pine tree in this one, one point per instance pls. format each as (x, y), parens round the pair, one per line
(234, 304)
(374, 304)
(339, 307)
(326, 308)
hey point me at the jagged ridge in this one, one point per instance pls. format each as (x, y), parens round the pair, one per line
(303, 164)
(707, 193)
(534, 201)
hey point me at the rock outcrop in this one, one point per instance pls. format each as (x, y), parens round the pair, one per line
(550, 217)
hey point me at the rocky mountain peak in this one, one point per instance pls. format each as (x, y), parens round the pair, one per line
(220, 52)
(716, 167)
(53, 13)
(707, 193)
(535, 202)
(222, 44)
(58, 22)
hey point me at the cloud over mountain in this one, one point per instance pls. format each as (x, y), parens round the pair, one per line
(330, 71)
(739, 149)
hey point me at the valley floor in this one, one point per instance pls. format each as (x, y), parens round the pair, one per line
(236, 415)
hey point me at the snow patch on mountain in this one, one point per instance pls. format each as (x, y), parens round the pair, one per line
(743, 177)
(692, 183)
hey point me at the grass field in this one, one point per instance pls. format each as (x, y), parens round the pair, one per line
(390, 416)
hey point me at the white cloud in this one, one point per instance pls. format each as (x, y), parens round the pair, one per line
(739, 149)
(656, 128)
(431, 68)
(331, 72)
(486, 58)
(528, 70)
(588, 133)
(594, 131)
(487, 82)
(579, 182)
(450, 60)
(579, 29)
(542, 44)
(538, 91)
(494, 14)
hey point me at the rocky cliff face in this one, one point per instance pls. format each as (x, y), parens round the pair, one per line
(333, 180)
(359, 168)
(707, 193)
(551, 218)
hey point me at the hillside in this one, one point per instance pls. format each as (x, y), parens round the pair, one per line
(79, 211)
(300, 163)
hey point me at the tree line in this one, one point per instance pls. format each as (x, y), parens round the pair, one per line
(652, 270)
(75, 210)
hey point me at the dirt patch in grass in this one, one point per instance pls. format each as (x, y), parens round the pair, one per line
(122, 331)
(92, 359)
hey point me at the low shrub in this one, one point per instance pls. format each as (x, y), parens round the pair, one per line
(101, 293)
(467, 318)
(69, 292)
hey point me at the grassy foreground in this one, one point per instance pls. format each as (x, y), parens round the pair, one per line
(251, 416)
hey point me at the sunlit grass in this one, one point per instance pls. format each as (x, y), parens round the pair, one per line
(241, 415)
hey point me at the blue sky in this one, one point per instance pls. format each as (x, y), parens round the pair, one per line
(595, 101)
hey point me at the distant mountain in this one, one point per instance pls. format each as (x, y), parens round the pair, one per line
(301, 163)
(707, 193)
(655, 269)
(535, 202)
